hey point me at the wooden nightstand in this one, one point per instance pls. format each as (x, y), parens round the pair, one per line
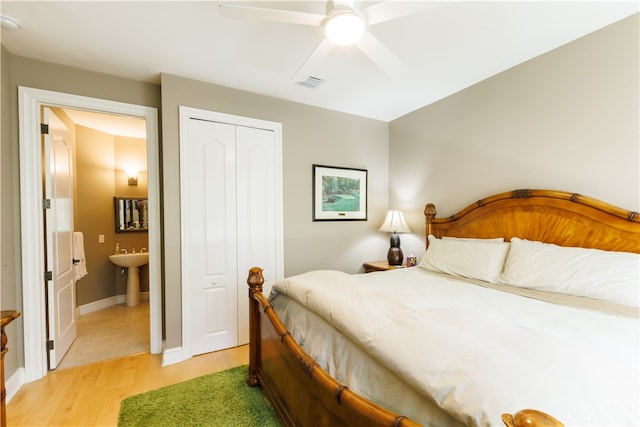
(380, 266)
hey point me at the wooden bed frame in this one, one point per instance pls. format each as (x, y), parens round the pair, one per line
(303, 394)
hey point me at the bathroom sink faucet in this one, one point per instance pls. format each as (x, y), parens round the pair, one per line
(124, 251)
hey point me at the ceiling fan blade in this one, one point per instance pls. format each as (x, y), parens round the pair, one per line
(271, 15)
(381, 55)
(390, 9)
(313, 61)
(349, 4)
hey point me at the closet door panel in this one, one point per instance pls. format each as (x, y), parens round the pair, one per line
(211, 223)
(256, 213)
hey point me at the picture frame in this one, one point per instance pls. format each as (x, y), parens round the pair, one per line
(339, 193)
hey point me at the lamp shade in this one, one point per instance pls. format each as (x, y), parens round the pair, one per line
(395, 223)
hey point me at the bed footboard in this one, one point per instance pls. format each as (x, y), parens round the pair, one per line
(301, 392)
(530, 417)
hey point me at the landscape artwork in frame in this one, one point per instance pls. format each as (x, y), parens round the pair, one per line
(339, 194)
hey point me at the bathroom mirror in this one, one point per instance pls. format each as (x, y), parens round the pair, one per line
(131, 214)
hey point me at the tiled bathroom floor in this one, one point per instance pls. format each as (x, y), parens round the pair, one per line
(108, 333)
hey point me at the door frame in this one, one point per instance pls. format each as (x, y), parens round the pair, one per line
(185, 114)
(30, 101)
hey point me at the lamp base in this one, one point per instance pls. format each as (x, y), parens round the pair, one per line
(395, 256)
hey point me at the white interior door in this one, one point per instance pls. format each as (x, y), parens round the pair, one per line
(257, 213)
(211, 230)
(61, 298)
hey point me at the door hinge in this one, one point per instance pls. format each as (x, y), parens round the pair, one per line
(48, 275)
(46, 203)
(44, 129)
(50, 345)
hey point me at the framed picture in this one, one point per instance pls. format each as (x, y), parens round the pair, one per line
(339, 194)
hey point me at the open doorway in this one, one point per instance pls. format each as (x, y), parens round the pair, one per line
(109, 160)
(31, 102)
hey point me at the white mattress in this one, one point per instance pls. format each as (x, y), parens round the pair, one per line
(474, 353)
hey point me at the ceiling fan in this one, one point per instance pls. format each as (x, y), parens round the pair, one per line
(344, 24)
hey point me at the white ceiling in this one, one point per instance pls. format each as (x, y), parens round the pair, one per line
(449, 46)
(109, 123)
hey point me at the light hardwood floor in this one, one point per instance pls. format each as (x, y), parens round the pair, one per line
(90, 395)
(114, 331)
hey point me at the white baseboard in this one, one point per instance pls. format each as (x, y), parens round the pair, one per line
(13, 384)
(171, 356)
(97, 305)
(107, 302)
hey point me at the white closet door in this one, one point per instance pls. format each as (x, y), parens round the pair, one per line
(256, 213)
(231, 207)
(211, 236)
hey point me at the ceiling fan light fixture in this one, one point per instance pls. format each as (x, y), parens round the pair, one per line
(345, 28)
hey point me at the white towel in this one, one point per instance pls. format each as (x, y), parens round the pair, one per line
(80, 262)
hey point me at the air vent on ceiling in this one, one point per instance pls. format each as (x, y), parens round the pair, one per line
(311, 82)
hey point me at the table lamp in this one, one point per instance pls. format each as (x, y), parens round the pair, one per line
(395, 223)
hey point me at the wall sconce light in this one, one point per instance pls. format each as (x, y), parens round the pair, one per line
(132, 175)
(394, 223)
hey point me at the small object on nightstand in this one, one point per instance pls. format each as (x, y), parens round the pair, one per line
(411, 261)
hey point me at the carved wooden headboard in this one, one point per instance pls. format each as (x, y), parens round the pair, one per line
(559, 217)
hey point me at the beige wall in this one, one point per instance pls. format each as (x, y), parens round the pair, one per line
(567, 120)
(130, 152)
(310, 135)
(94, 212)
(100, 158)
(10, 291)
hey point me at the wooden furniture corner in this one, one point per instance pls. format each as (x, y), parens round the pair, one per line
(371, 266)
(8, 316)
(530, 417)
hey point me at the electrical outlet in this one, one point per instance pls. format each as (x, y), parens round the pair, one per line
(100, 238)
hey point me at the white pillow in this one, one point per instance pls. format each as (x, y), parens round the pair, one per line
(482, 260)
(473, 239)
(593, 273)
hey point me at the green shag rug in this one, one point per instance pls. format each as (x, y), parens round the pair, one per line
(220, 399)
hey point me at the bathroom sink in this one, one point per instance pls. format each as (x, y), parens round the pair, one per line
(130, 260)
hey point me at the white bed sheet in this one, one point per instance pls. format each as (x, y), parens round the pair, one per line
(476, 352)
(351, 365)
